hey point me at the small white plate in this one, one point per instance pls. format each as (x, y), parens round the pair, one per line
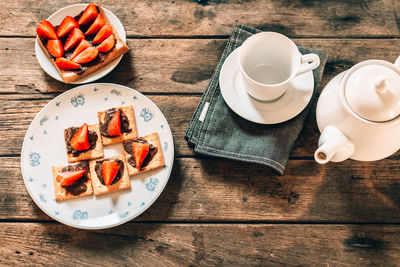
(55, 19)
(286, 107)
(44, 147)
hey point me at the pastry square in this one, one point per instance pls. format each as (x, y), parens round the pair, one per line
(99, 188)
(130, 116)
(77, 189)
(99, 62)
(157, 161)
(95, 153)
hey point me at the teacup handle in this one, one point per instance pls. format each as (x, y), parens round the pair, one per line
(308, 63)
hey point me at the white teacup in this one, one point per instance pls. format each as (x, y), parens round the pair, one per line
(268, 61)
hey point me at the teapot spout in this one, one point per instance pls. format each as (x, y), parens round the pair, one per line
(333, 146)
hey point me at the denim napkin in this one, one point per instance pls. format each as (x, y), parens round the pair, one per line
(216, 130)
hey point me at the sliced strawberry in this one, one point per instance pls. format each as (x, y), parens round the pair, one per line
(80, 141)
(103, 34)
(66, 26)
(110, 169)
(86, 55)
(88, 15)
(74, 38)
(46, 30)
(107, 44)
(66, 64)
(55, 48)
(96, 26)
(140, 151)
(82, 46)
(114, 127)
(70, 177)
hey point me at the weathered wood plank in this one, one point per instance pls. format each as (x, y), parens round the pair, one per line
(172, 65)
(16, 116)
(199, 244)
(223, 190)
(188, 18)
(18, 111)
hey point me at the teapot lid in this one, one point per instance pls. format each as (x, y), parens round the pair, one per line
(373, 91)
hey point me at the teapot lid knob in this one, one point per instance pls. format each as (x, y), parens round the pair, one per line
(382, 85)
(372, 91)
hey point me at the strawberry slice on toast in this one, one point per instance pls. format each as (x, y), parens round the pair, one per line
(88, 15)
(55, 48)
(110, 169)
(80, 141)
(96, 26)
(103, 34)
(114, 127)
(81, 46)
(74, 38)
(70, 177)
(140, 151)
(86, 55)
(107, 44)
(46, 30)
(66, 26)
(66, 64)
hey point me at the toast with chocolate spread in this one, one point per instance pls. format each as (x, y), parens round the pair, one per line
(82, 44)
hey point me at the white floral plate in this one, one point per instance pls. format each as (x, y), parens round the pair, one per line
(56, 19)
(44, 147)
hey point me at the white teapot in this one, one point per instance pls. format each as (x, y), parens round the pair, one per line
(358, 113)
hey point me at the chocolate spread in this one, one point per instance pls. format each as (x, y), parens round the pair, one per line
(128, 146)
(109, 115)
(79, 186)
(70, 132)
(99, 170)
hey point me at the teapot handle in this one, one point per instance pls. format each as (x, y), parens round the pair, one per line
(397, 62)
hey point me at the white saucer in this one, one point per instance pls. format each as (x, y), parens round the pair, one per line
(56, 19)
(288, 106)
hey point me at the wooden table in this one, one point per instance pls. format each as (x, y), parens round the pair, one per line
(212, 211)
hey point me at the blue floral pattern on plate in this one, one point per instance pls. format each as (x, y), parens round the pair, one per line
(165, 146)
(116, 92)
(123, 215)
(151, 185)
(78, 100)
(42, 198)
(146, 114)
(43, 120)
(34, 159)
(79, 215)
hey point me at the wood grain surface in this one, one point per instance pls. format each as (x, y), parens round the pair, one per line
(142, 244)
(217, 17)
(173, 65)
(219, 190)
(213, 211)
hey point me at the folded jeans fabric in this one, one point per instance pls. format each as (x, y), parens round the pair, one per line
(217, 131)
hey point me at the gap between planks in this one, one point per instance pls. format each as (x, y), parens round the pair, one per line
(172, 37)
(223, 222)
